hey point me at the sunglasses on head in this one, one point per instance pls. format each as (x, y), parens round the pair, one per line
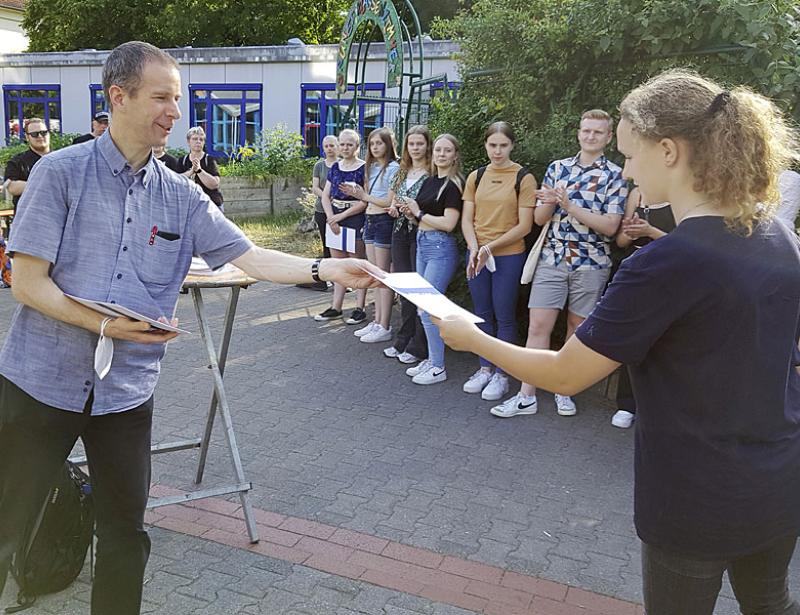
(39, 133)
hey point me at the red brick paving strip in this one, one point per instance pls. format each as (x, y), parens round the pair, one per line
(345, 553)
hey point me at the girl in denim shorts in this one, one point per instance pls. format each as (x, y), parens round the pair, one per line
(381, 168)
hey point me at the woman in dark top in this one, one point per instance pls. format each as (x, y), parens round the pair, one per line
(641, 225)
(409, 344)
(201, 167)
(436, 209)
(708, 320)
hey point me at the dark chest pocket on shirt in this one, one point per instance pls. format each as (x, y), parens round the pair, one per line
(157, 264)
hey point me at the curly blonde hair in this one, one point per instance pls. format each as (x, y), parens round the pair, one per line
(739, 141)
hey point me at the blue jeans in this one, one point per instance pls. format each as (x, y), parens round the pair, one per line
(678, 585)
(437, 259)
(494, 297)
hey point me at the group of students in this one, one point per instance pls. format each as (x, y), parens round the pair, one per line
(406, 211)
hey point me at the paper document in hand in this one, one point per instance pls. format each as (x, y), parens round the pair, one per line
(421, 293)
(115, 311)
(344, 241)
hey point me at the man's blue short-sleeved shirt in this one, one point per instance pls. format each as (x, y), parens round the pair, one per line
(708, 321)
(111, 235)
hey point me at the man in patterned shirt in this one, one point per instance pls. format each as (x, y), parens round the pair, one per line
(582, 199)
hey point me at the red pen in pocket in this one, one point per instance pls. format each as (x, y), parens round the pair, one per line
(153, 235)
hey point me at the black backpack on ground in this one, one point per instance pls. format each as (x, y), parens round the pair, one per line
(53, 549)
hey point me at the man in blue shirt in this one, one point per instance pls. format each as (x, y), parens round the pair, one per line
(104, 221)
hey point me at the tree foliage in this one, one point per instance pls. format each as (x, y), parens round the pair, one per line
(65, 25)
(550, 60)
(431, 11)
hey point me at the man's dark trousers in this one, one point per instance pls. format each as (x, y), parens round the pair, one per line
(35, 439)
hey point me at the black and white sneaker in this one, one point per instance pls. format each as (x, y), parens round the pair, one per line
(514, 406)
(328, 314)
(432, 375)
(357, 316)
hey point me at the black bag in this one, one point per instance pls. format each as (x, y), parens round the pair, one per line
(53, 548)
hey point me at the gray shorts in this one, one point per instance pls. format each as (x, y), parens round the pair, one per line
(554, 284)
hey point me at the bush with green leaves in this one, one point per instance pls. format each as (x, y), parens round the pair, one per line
(539, 64)
(277, 152)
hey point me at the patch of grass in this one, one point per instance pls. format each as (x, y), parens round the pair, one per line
(280, 233)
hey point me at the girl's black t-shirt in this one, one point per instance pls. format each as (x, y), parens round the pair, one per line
(707, 319)
(433, 199)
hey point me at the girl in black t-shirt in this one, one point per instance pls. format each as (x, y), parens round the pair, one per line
(437, 209)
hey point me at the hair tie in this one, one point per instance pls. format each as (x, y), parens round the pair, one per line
(719, 102)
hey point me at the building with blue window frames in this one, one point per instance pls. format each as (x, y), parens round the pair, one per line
(233, 93)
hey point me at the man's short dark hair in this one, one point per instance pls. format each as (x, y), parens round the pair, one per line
(125, 64)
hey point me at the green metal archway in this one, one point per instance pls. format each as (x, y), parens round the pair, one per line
(405, 58)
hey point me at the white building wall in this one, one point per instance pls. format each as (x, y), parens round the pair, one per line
(281, 71)
(75, 100)
(282, 95)
(12, 36)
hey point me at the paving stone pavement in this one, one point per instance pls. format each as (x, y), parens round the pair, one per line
(330, 430)
(190, 575)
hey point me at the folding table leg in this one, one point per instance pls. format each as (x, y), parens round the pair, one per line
(222, 405)
(230, 314)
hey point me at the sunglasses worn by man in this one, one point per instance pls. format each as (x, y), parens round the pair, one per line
(39, 133)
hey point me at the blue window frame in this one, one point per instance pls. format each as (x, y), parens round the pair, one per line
(320, 112)
(21, 101)
(97, 99)
(438, 89)
(230, 113)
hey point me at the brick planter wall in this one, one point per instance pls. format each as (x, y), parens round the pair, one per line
(247, 198)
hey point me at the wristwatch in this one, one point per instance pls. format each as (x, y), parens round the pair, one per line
(315, 270)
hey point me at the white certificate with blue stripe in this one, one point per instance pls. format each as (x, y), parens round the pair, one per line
(344, 241)
(421, 293)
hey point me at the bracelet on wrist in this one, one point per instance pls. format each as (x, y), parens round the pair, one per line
(315, 270)
(419, 216)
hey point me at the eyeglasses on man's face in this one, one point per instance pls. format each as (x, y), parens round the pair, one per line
(38, 133)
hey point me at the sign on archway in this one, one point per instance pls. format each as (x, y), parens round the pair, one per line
(383, 14)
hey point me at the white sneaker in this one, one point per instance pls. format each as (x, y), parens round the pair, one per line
(497, 387)
(407, 357)
(622, 419)
(378, 334)
(364, 330)
(518, 404)
(424, 366)
(430, 376)
(565, 406)
(477, 381)
(391, 352)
